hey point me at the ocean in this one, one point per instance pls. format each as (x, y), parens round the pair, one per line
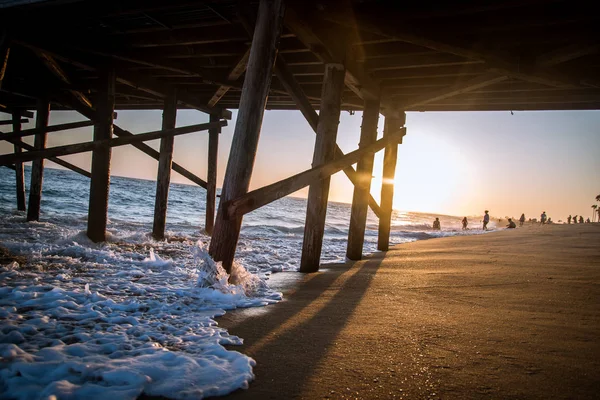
(134, 315)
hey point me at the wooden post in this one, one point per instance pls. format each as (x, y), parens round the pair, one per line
(362, 190)
(163, 179)
(4, 53)
(391, 125)
(100, 182)
(318, 193)
(263, 52)
(19, 171)
(211, 178)
(37, 166)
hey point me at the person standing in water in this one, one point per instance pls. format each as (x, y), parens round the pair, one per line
(575, 219)
(465, 223)
(580, 219)
(522, 220)
(436, 224)
(543, 218)
(569, 219)
(486, 220)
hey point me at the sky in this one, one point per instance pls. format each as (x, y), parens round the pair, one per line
(455, 163)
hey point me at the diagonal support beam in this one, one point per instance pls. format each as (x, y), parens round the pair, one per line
(237, 71)
(303, 103)
(268, 194)
(322, 44)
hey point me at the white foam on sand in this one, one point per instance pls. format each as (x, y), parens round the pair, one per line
(115, 320)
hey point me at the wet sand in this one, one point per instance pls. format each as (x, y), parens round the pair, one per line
(507, 315)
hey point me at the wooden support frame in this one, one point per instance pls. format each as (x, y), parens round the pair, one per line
(391, 126)
(135, 80)
(303, 103)
(263, 53)
(163, 179)
(100, 181)
(260, 197)
(318, 192)
(51, 128)
(364, 170)
(122, 133)
(19, 170)
(115, 142)
(211, 176)
(63, 163)
(37, 167)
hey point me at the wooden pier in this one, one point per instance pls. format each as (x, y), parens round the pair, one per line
(378, 57)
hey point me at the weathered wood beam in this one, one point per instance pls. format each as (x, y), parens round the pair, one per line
(10, 122)
(263, 52)
(268, 194)
(4, 53)
(160, 89)
(362, 190)
(318, 192)
(163, 179)
(237, 71)
(567, 53)
(48, 129)
(11, 110)
(211, 176)
(19, 171)
(37, 167)
(22, 145)
(115, 142)
(57, 71)
(100, 181)
(390, 157)
(431, 97)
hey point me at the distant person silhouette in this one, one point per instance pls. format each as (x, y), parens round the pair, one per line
(575, 219)
(465, 223)
(569, 219)
(486, 220)
(587, 221)
(511, 224)
(580, 219)
(522, 220)
(436, 224)
(543, 218)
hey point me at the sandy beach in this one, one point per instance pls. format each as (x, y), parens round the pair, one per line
(506, 315)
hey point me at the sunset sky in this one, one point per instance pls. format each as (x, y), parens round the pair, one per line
(457, 163)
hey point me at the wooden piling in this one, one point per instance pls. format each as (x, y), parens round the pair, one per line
(390, 126)
(37, 166)
(263, 52)
(100, 182)
(165, 160)
(362, 190)
(19, 171)
(211, 178)
(318, 193)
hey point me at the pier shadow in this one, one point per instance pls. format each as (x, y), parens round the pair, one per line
(291, 338)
